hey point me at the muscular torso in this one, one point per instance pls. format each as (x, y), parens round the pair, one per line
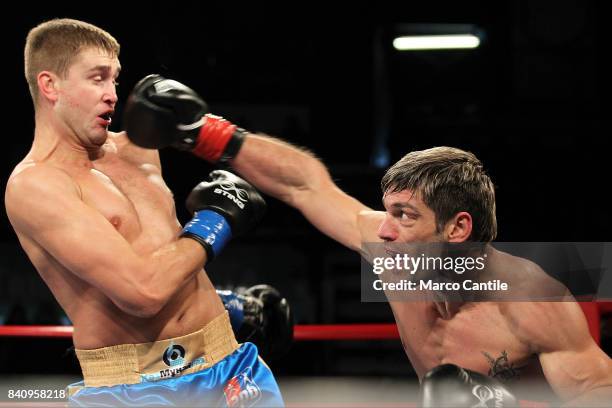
(126, 187)
(486, 337)
(478, 336)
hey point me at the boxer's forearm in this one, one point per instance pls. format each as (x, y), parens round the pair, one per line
(301, 180)
(161, 274)
(280, 169)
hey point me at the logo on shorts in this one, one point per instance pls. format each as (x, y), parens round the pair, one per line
(485, 394)
(238, 195)
(242, 391)
(174, 358)
(174, 355)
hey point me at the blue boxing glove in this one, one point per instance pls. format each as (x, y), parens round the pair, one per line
(224, 207)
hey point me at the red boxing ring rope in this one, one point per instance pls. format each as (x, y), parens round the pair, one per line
(303, 332)
(372, 331)
(36, 331)
(317, 332)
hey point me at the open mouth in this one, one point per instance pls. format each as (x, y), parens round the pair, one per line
(107, 117)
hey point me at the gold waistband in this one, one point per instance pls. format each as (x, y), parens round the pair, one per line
(135, 363)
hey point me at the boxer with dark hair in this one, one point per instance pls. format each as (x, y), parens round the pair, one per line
(96, 219)
(438, 195)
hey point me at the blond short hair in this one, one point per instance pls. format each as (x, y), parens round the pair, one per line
(53, 45)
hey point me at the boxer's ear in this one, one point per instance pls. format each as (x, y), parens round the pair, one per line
(458, 228)
(48, 85)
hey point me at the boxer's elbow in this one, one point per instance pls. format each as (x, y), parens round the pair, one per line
(149, 306)
(141, 304)
(142, 299)
(151, 299)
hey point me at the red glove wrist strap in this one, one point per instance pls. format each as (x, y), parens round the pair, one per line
(213, 138)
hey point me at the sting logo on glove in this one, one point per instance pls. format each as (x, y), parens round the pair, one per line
(484, 394)
(238, 195)
(223, 207)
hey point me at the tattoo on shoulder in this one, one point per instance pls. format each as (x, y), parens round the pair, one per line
(501, 368)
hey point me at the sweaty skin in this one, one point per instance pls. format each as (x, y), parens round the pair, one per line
(98, 222)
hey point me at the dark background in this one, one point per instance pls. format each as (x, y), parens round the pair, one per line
(529, 103)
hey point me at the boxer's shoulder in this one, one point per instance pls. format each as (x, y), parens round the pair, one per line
(368, 222)
(118, 144)
(34, 175)
(527, 280)
(545, 326)
(36, 188)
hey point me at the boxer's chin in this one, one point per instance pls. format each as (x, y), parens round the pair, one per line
(98, 136)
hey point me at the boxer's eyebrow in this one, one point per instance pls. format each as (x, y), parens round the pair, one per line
(100, 68)
(105, 69)
(401, 206)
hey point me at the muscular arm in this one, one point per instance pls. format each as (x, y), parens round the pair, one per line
(302, 181)
(275, 167)
(44, 204)
(577, 369)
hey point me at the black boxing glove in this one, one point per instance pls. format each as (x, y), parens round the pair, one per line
(161, 112)
(448, 385)
(224, 207)
(261, 316)
(276, 335)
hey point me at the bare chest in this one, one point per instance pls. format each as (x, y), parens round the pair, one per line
(134, 199)
(477, 337)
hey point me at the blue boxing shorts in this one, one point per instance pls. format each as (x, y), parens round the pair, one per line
(206, 368)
